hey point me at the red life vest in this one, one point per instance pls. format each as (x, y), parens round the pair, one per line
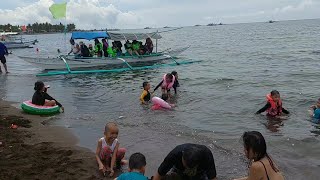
(164, 83)
(276, 108)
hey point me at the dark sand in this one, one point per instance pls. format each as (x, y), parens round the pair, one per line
(35, 151)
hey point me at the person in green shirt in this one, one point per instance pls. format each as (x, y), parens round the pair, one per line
(98, 47)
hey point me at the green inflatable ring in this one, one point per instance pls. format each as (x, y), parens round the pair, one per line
(30, 108)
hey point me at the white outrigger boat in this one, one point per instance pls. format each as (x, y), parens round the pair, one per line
(76, 63)
(16, 43)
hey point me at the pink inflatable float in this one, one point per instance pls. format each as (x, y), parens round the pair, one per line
(159, 103)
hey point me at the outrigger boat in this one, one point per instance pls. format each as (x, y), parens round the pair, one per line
(16, 43)
(73, 64)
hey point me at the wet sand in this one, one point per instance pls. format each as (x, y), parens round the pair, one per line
(35, 151)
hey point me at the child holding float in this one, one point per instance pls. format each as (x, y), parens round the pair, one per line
(108, 153)
(314, 111)
(274, 105)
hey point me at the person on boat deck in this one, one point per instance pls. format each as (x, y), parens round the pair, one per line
(119, 47)
(188, 162)
(114, 49)
(128, 47)
(145, 96)
(274, 105)
(142, 48)
(91, 50)
(315, 112)
(148, 46)
(261, 165)
(105, 47)
(98, 47)
(75, 48)
(167, 83)
(136, 47)
(84, 50)
(42, 98)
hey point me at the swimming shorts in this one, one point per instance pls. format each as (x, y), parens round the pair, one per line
(3, 59)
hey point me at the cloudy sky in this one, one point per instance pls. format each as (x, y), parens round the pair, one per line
(90, 14)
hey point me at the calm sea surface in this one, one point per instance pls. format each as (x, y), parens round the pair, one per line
(215, 104)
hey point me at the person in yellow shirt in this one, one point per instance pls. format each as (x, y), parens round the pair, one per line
(145, 96)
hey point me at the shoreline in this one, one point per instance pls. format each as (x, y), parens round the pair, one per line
(37, 151)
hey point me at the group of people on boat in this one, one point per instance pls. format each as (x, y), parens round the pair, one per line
(103, 49)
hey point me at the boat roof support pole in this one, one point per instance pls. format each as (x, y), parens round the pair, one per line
(157, 44)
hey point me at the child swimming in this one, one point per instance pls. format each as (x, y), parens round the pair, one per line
(166, 83)
(137, 168)
(315, 112)
(108, 153)
(145, 96)
(274, 105)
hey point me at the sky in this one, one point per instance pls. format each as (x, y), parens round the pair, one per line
(128, 14)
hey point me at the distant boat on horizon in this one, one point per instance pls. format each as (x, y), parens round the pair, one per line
(271, 21)
(211, 24)
(166, 27)
(197, 25)
(147, 28)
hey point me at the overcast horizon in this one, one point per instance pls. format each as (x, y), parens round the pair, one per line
(131, 14)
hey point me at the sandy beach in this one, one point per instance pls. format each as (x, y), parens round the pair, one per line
(36, 151)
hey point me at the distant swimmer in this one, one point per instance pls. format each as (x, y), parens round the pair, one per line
(315, 112)
(145, 96)
(274, 105)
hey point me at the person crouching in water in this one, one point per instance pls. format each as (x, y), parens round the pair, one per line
(176, 82)
(166, 83)
(315, 112)
(108, 153)
(42, 98)
(145, 96)
(274, 105)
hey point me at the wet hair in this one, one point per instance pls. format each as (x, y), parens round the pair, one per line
(144, 84)
(38, 85)
(192, 156)
(106, 128)
(165, 97)
(274, 92)
(255, 141)
(137, 161)
(169, 75)
(174, 73)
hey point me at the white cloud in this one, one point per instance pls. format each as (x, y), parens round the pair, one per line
(299, 7)
(86, 14)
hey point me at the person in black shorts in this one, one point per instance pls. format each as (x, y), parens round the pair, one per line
(3, 52)
(188, 162)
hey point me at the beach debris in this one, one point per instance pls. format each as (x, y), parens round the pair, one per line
(120, 117)
(14, 126)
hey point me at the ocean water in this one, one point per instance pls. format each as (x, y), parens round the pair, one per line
(215, 104)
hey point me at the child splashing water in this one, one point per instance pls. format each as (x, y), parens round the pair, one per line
(108, 153)
(274, 105)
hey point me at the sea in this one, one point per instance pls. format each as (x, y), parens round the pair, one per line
(216, 101)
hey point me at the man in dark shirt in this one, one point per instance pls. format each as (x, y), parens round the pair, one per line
(3, 52)
(189, 162)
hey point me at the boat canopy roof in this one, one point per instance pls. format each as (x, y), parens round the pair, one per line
(133, 36)
(89, 35)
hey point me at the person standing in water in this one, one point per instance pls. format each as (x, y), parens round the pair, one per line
(262, 166)
(3, 53)
(274, 105)
(166, 84)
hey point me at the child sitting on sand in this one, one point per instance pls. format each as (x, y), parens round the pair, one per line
(145, 96)
(108, 153)
(315, 112)
(274, 105)
(137, 168)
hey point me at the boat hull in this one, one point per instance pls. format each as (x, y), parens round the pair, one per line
(76, 63)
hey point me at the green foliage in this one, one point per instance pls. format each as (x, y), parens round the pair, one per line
(40, 27)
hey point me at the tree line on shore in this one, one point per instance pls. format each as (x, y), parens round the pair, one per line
(38, 28)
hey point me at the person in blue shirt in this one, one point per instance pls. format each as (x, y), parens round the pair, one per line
(315, 112)
(137, 168)
(3, 52)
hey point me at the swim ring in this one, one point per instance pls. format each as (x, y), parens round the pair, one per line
(160, 102)
(30, 108)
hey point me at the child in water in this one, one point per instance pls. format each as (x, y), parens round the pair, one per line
(315, 112)
(145, 96)
(176, 82)
(274, 105)
(137, 168)
(108, 153)
(167, 83)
